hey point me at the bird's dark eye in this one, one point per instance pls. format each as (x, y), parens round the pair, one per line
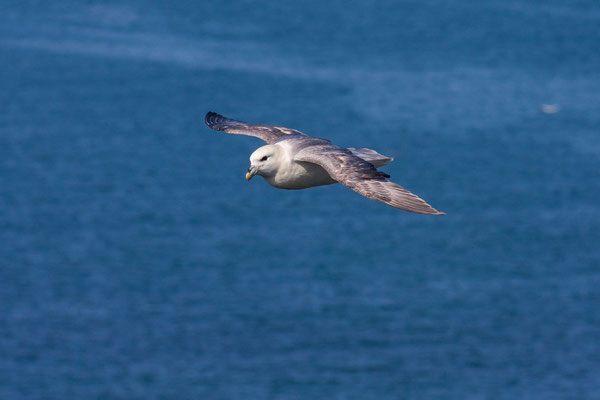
(264, 158)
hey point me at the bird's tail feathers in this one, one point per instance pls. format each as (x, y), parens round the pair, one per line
(378, 160)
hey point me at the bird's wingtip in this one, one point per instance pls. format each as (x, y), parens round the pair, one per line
(210, 118)
(214, 120)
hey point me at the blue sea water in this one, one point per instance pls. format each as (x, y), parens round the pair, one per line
(137, 263)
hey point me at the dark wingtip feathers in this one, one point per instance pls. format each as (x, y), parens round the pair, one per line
(213, 120)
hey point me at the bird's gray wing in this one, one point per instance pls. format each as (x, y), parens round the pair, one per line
(265, 132)
(362, 177)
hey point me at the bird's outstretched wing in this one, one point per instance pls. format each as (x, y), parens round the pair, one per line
(265, 132)
(363, 178)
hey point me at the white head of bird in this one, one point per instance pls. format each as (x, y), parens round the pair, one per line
(264, 161)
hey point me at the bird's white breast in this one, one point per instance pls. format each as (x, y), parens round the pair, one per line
(297, 174)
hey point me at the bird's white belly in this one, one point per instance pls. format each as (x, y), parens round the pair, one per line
(300, 175)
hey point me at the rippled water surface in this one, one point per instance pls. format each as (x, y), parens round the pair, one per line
(137, 263)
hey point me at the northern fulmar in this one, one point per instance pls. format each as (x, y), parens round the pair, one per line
(294, 160)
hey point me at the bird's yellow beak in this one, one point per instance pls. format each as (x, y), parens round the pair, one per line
(251, 172)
